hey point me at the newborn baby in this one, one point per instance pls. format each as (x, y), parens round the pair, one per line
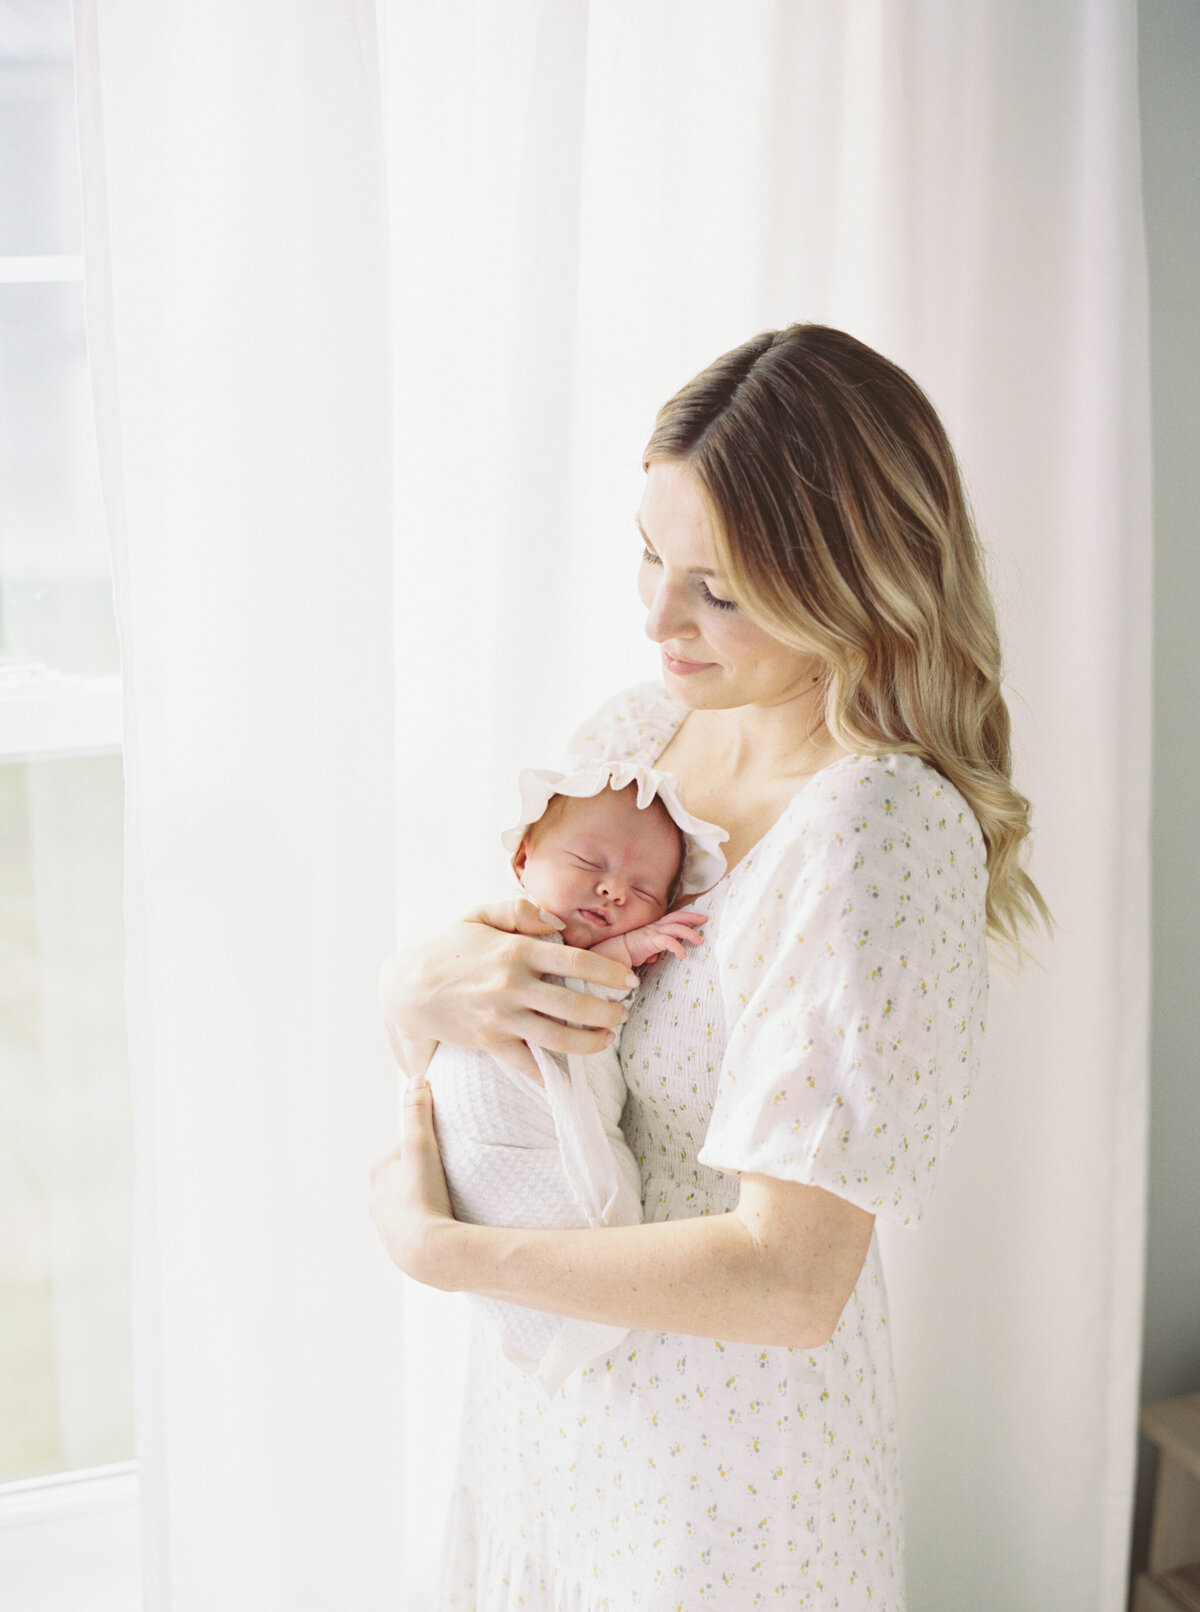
(605, 850)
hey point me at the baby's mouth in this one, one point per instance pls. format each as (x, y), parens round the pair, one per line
(593, 915)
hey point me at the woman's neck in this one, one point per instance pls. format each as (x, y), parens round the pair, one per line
(771, 745)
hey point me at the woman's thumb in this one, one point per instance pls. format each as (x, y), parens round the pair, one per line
(519, 917)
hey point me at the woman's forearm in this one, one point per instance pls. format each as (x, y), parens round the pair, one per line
(711, 1275)
(777, 1270)
(696, 1276)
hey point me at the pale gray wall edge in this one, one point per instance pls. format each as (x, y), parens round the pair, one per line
(1169, 44)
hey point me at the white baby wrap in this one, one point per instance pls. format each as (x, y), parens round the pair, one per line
(519, 1154)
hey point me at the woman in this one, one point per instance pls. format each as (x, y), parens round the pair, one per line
(832, 697)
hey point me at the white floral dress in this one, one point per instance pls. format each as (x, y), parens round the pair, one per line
(826, 1031)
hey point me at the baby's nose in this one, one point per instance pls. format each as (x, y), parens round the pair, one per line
(613, 887)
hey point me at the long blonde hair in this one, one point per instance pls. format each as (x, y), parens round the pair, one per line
(842, 528)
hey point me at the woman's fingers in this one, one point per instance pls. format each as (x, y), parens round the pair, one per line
(427, 1179)
(575, 1007)
(570, 962)
(482, 984)
(555, 1037)
(516, 917)
(518, 1056)
(409, 1198)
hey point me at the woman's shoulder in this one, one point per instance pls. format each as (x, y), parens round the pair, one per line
(636, 724)
(896, 789)
(870, 814)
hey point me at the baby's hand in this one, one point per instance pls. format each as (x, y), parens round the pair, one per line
(667, 934)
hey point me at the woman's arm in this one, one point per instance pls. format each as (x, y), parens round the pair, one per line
(777, 1270)
(479, 984)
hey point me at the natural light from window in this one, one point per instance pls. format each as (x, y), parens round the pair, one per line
(65, 1146)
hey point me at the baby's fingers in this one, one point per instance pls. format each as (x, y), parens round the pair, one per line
(697, 918)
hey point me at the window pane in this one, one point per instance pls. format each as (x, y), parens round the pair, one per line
(40, 208)
(65, 1137)
(65, 1152)
(55, 592)
(55, 596)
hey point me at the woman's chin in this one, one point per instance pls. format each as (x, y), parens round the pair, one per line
(696, 694)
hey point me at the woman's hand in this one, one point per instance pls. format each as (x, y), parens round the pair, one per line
(479, 984)
(409, 1200)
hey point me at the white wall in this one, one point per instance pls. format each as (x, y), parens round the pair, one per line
(1169, 38)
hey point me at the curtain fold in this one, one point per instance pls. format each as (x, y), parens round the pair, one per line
(238, 321)
(564, 211)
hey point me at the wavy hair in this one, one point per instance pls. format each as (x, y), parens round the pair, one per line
(842, 528)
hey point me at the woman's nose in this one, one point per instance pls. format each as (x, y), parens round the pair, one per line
(666, 615)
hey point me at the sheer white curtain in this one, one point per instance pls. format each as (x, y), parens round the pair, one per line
(589, 203)
(586, 203)
(239, 329)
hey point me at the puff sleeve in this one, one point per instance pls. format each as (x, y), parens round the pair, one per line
(853, 973)
(636, 724)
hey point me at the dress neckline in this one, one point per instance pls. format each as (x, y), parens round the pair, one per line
(751, 850)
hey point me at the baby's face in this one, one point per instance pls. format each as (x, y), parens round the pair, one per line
(600, 864)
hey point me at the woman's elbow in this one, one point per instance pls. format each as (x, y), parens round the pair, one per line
(809, 1247)
(809, 1320)
(791, 1307)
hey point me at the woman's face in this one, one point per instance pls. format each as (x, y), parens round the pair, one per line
(713, 656)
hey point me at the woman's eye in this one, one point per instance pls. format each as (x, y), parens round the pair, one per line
(706, 595)
(711, 599)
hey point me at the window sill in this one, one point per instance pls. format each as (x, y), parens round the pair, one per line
(71, 1542)
(45, 714)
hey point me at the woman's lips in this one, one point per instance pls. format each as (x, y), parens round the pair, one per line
(684, 668)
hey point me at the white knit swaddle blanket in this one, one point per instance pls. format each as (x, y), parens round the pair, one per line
(519, 1154)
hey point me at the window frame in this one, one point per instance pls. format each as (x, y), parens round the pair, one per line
(72, 1540)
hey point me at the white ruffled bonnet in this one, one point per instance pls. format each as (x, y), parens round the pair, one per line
(703, 863)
